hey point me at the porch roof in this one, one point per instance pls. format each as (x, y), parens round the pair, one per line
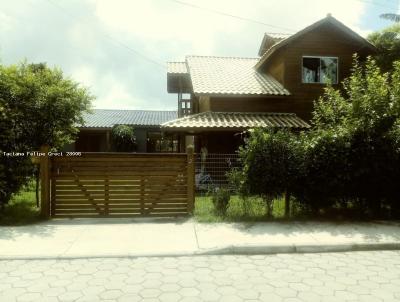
(235, 121)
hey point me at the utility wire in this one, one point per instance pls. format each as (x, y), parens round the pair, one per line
(121, 44)
(230, 15)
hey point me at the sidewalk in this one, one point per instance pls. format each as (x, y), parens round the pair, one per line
(144, 237)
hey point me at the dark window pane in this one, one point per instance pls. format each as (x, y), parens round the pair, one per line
(311, 70)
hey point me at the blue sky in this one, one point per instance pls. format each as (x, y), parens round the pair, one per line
(96, 42)
(374, 8)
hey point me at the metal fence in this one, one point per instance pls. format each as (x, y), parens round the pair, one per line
(211, 170)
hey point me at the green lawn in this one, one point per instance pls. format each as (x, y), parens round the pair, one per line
(238, 210)
(22, 208)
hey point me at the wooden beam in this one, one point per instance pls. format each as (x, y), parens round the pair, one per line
(190, 178)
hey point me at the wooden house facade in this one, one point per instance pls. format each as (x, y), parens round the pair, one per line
(220, 97)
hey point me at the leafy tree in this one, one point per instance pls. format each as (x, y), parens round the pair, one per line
(387, 42)
(123, 137)
(271, 164)
(391, 17)
(38, 106)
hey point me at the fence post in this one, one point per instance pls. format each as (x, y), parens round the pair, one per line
(190, 180)
(45, 183)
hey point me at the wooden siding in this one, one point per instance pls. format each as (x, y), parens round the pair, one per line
(204, 104)
(261, 104)
(276, 68)
(286, 66)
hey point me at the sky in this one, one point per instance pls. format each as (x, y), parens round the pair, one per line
(119, 48)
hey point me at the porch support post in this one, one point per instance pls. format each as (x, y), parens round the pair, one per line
(108, 143)
(189, 142)
(190, 179)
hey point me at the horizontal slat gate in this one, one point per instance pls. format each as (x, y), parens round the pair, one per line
(119, 185)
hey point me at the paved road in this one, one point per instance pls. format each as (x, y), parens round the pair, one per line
(353, 276)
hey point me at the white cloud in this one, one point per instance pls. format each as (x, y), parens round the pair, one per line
(161, 29)
(6, 22)
(85, 75)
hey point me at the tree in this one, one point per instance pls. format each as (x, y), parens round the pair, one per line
(387, 42)
(38, 106)
(271, 163)
(123, 137)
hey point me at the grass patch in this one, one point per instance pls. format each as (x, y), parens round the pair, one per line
(22, 208)
(253, 209)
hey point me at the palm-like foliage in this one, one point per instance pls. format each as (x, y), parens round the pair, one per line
(391, 17)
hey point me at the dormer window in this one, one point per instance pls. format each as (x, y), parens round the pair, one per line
(320, 70)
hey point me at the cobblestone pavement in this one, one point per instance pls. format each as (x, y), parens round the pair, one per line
(353, 276)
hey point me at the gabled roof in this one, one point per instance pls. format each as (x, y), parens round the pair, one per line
(235, 121)
(230, 75)
(328, 19)
(270, 39)
(107, 118)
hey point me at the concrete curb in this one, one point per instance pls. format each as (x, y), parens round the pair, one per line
(232, 250)
(289, 249)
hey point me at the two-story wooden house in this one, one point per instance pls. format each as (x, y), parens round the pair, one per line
(220, 97)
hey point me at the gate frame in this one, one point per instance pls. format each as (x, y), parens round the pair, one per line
(47, 188)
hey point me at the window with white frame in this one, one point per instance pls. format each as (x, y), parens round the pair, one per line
(320, 70)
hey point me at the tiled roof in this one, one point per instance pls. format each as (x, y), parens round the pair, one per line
(236, 120)
(270, 39)
(176, 67)
(278, 36)
(107, 118)
(230, 75)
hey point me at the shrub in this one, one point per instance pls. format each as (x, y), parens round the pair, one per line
(325, 171)
(236, 181)
(220, 199)
(123, 138)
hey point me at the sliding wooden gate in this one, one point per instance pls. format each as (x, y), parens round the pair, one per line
(121, 185)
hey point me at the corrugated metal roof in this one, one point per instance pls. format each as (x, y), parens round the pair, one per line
(236, 120)
(230, 75)
(107, 118)
(176, 67)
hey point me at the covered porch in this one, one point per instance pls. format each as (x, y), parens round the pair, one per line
(223, 132)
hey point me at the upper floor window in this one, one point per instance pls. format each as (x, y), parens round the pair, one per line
(320, 70)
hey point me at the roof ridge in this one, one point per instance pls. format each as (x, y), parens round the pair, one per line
(221, 57)
(256, 112)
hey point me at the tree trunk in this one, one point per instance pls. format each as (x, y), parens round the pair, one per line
(269, 205)
(37, 178)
